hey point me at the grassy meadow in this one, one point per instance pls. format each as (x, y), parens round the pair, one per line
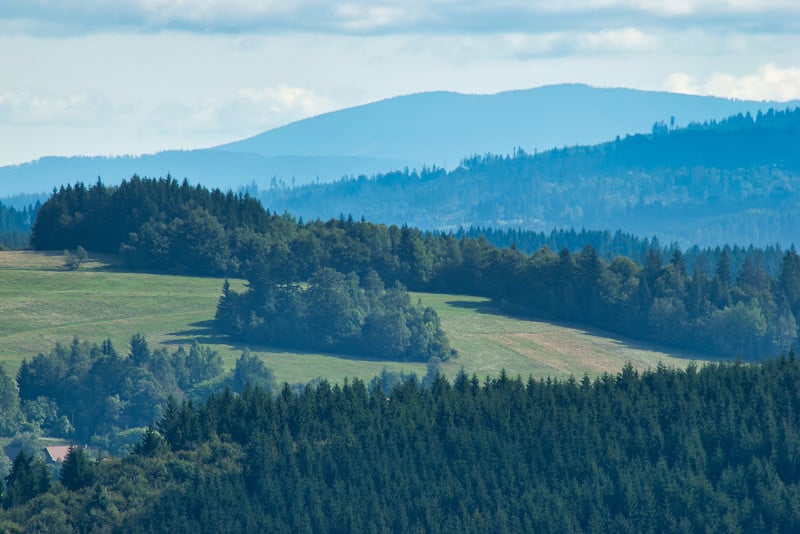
(41, 303)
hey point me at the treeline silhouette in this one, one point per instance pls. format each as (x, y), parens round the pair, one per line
(164, 225)
(666, 450)
(612, 244)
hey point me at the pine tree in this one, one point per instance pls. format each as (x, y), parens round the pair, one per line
(29, 477)
(77, 470)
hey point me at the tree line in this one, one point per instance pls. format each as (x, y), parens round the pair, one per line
(609, 245)
(160, 224)
(708, 449)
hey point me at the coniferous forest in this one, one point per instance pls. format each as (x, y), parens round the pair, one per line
(710, 449)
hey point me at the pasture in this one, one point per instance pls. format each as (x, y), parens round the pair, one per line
(41, 303)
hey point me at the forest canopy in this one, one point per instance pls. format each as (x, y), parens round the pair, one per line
(668, 450)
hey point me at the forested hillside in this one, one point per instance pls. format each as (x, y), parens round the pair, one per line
(732, 181)
(163, 225)
(710, 449)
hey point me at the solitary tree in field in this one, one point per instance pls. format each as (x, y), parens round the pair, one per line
(74, 261)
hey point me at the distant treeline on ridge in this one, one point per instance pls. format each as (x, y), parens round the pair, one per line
(732, 181)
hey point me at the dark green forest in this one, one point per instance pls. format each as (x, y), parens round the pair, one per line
(714, 449)
(163, 225)
(732, 181)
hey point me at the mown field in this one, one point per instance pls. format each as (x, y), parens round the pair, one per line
(41, 304)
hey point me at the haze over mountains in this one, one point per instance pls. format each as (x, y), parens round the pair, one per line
(426, 129)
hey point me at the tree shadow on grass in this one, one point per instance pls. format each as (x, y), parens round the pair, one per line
(482, 306)
(205, 333)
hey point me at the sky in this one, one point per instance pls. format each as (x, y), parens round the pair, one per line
(103, 77)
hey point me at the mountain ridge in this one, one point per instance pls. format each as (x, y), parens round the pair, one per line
(510, 113)
(438, 128)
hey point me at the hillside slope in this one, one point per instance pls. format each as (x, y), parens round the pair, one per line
(735, 181)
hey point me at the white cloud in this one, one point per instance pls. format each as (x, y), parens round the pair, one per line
(247, 112)
(370, 16)
(46, 109)
(618, 41)
(670, 7)
(769, 82)
(681, 82)
(283, 100)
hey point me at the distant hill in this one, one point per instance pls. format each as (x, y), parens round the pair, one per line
(730, 181)
(442, 128)
(431, 129)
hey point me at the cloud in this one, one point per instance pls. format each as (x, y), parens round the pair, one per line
(249, 110)
(619, 41)
(190, 122)
(387, 16)
(283, 100)
(26, 108)
(769, 82)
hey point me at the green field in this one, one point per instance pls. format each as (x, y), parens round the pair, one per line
(41, 303)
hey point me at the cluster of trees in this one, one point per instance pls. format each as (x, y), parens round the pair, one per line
(710, 449)
(722, 182)
(159, 224)
(93, 394)
(335, 313)
(31, 476)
